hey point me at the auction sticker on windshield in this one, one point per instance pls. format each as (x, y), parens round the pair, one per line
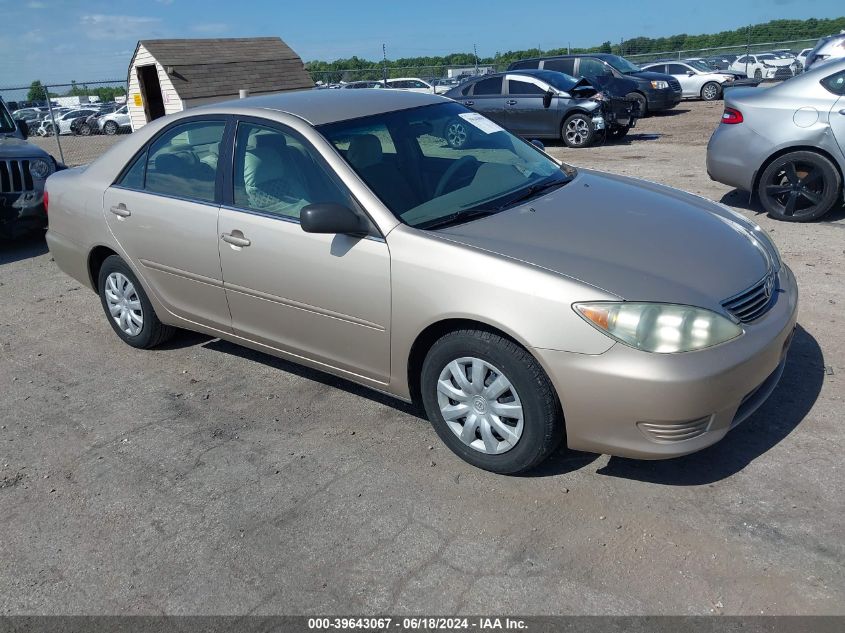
(485, 125)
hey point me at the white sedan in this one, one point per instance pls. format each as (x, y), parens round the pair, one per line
(697, 79)
(411, 84)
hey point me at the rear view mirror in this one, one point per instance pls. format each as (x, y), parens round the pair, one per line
(547, 98)
(329, 217)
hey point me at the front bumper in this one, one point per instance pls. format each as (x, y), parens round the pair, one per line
(655, 406)
(663, 99)
(22, 212)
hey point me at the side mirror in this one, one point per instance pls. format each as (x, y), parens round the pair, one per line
(23, 128)
(547, 98)
(538, 144)
(329, 217)
(690, 73)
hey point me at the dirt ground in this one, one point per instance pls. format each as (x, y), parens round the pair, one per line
(206, 478)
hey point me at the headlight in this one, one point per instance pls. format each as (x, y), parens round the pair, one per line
(659, 85)
(40, 168)
(659, 327)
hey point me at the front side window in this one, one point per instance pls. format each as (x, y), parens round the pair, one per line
(429, 180)
(676, 69)
(524, 88)
(183, 161)
(590, 67)
(276, 173)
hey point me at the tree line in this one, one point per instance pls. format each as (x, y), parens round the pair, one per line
(773, 31)
(37, 92)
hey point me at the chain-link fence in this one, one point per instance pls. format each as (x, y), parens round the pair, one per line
(75, 122)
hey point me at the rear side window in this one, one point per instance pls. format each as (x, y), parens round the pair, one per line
(835, 83)
(560, 65)
(183, 161)
(133, 178)
(525, 64)
(492, 86)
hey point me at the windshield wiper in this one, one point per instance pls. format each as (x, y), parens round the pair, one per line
(456, 218)
(532, 191)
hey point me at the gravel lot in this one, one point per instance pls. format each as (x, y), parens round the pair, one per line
(206, 478)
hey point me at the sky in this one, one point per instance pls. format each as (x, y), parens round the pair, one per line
(62, 40)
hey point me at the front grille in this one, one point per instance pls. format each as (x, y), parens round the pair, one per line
(674, 431)
(15, 176)
(754, 302)
(674, 84)
(783, 72)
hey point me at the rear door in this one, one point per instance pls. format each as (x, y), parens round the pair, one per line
(163, 213)
(525, 113)
(488, 98)
(836, 84)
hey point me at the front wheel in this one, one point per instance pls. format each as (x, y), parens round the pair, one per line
(711, 91)
(490, 401)
(641, 100)
(758, 74)
(618, 132)
(578, 131)
(110, 128)
(85, 130)
(799, 187)
(128, 308)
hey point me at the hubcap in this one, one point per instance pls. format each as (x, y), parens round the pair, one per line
(798, 188)
(124, 304)
(577, 131)
(480, 405)
(709, 92)
(456, 135)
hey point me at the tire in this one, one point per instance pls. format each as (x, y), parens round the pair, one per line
(711, 91)
(151, 331)
(85, 130)
(758, 74)
(521, 446)
(639, 98)
(578, 131)
(457, 133)
(618, 132)
(110, 128)
(799, 187)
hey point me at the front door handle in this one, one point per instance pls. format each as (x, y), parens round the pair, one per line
(842, 111)
(235, 238)
(121, 211)
(469, 103)
(511, 101)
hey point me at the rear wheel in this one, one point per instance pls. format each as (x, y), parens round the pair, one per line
(636, 96)
(799, 187)
(711, 91)
(578, 131)
(490, 401)
(127, 307)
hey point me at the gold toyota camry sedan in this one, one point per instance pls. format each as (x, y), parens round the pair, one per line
(520, 301)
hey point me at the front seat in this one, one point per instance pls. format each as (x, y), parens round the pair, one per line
(384, 178)
(272, 184)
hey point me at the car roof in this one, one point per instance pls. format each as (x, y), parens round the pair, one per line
(318, 107)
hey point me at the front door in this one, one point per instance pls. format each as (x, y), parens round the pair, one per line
(163, 213)
(525, 113)
(689, 83)
(325, 298)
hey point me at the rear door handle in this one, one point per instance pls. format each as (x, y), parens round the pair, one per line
(235, 238)
(842, 111)
(121, 211)
(469, 103)
(511, 102)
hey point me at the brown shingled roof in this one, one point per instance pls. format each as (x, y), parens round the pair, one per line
(220, 67)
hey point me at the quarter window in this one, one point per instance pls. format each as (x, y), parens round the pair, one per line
(183, 161)
(835, 83)
(275, 173)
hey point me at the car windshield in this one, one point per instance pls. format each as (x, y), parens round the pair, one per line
(699, 65)
(766, 56)
(443, 164)
(6, 123)
(558, 80)
(621, 64)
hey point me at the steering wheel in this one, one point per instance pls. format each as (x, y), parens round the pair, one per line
(450, 173)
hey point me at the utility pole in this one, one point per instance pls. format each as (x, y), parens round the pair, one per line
(747, 50)
(475, 53)
(384, 62)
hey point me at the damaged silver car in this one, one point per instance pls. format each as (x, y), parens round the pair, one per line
(543, 104)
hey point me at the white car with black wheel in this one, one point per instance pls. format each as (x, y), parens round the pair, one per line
(697, 79)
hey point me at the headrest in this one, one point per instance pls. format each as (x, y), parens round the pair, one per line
(364, 150)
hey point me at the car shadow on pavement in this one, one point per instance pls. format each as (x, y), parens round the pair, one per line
(743, 200)
(24, 248)
(219, 345)
(794, 397)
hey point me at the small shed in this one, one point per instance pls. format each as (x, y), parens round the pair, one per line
(167, 76)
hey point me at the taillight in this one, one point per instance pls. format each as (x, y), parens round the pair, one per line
(731, 116)
(46, 201)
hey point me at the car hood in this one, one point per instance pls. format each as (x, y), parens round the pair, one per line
(650, 75)
(634, 239)
(13, 147)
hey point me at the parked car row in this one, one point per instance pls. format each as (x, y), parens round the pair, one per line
(107, 118)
